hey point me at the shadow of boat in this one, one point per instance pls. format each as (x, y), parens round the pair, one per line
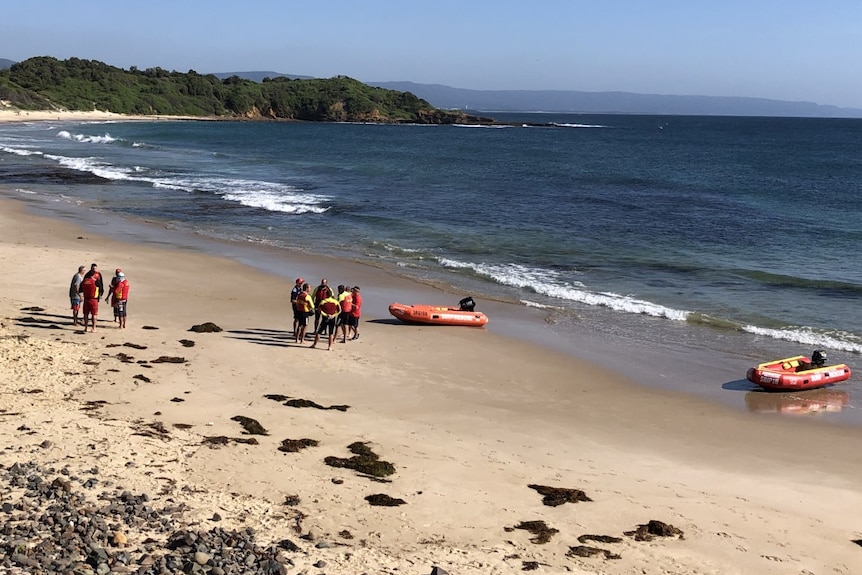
(823, 400)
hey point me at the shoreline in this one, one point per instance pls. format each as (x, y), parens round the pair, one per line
(469, 418)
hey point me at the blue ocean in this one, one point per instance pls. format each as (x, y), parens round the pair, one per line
(715, 235)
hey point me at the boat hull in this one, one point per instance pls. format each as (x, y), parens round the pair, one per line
(781, 375)
(437, 315)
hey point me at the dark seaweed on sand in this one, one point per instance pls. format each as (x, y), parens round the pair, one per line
(587, 551)
(187, 343)
(599, 538)
(294, 402)
(554, 496)
(294, 445)
(207, 327)
(217, 440)
(251, 426)
(142, 377)
(169, 359)
(364, 461)
(646, 531)
(383, 500)
(542, 533)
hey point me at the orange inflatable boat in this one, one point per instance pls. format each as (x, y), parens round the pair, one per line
(438, 315)
(797, 373)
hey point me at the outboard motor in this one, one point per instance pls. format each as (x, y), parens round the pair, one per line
(818, 358)
(467, 304)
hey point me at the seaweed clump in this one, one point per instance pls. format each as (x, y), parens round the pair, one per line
(207, 327)
(383, 500)
(251, 426)
(647, 531)
(554, 496)
(364, 461)
(540, 530)
(295, 445)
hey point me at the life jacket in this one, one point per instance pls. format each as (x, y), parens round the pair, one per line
(346, 301)
(322, 292)
(329, 307)
(121, 290)
(305, 302)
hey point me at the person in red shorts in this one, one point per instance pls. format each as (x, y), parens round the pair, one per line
(90, 292)
(355, 313)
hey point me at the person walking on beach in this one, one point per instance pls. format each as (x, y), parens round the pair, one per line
(110, 293)
(75, 294)
(304, 310)
(355, 312)
(294, 294)
(320, 293)
(329, 310)
(90, 292)
(120, 297)
(345, 300)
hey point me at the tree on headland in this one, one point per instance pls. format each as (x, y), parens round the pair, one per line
(75, 84)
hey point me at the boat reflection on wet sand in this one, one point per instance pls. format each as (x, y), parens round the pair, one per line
(823, 400)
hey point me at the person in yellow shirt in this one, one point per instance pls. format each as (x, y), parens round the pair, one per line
(304, 310)
(329, 309)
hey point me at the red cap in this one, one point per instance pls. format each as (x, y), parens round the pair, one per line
(119, 270)
(300, 281)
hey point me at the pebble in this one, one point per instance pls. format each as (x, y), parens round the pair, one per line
(54, 529)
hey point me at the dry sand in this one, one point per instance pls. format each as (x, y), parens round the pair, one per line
(468, 419)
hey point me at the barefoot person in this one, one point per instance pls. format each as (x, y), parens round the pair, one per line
(109, 294)
(304, 310)
(329, 310)
(319, 294)
(121, 297)
(345, 300)
(75, 294)
(89, 291)
(294, 294)
(355, 313)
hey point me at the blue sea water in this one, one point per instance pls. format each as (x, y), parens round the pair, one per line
(708, 232)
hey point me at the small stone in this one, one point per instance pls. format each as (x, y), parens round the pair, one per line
(216, 517)
(323, 545)
(119, 539)
(201, 558)
(320, 564)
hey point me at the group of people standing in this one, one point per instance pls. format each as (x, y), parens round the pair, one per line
(331, 311)
(88, 288)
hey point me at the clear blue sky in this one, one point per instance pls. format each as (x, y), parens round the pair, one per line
(781, 49)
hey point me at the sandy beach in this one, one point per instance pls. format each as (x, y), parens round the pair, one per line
(476, 427)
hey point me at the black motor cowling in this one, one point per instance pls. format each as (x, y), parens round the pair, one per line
(467, 304)
(818, 358)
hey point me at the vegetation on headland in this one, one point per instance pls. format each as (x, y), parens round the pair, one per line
(45, 83)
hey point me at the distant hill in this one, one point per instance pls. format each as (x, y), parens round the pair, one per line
(612, 102)
(259, 76)
(446, 97)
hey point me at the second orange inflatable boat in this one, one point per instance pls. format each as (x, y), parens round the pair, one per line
(437, 315)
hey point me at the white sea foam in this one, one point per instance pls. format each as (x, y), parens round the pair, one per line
(566, 125)
(93, 166)
(549, 283)
(20, 151)
(841, 341)
(106, 139)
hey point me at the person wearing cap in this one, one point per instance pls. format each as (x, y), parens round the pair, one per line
(75, 295)
(110, 293)
(121, 296)
(294, 293)
(319, 294)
